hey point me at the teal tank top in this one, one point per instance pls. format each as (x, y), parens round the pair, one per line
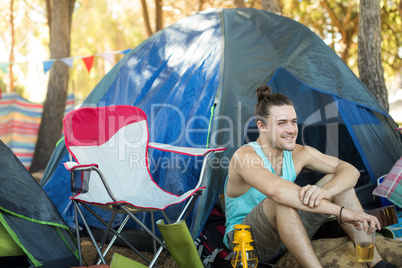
(238, 208)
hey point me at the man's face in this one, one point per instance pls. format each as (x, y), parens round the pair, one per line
(282, 127)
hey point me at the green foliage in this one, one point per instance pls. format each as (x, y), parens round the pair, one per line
(20, 90)
(28, 19)
(337, 23)
(391, 38)
(98, 27)
(2, 84)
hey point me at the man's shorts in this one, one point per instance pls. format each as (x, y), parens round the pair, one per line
(267, 243)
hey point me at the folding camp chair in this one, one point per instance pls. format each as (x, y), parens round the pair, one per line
(105, 140)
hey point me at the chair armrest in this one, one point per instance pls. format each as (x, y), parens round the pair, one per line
(73, 166)
(184, 150)
(189, 151)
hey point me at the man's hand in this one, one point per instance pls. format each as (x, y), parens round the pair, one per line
(311, 195)
(361, 220)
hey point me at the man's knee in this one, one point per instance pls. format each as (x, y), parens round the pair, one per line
(346, 196)
(273, 210)
(324, 180)
(327, 178)
(274, 207)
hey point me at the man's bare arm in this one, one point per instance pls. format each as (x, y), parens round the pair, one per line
(287, 193)
(345, 175)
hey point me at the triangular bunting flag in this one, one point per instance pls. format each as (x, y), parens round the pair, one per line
(4, 66)
(108, 56)
(125, 52)
(47, 65)
(68, 61)
(23, 67)
(89, 61)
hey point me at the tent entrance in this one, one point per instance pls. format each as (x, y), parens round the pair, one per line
(8, 247)
(342, 128)
(321, 124)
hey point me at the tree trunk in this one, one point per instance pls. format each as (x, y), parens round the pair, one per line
(11, 58)
(347, 26)
(271, 6)
(239, 3)
(201, 5)
(158, 15)
(51, 125)
(146, 18)
(400, 8)
(371, 71)
(347, 39)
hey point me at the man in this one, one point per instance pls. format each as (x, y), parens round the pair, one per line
(260, 189)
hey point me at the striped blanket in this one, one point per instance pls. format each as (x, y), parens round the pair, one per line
(391, 187)
(19, 124)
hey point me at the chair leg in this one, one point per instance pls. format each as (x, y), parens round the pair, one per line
(153, 230)
(90, 233)
(154, 260)
(116, 233)
(144, 227)
(166, 216)
(115, 237)
(162, 244)
(189, 206)
(77, 233)
(106, 235)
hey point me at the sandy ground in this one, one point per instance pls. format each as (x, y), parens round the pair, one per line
(89, 253)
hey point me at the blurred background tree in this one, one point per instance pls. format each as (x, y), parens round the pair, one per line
(102, 26)
(59, 17)
(371, 72)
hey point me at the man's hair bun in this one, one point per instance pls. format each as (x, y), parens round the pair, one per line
(263, 92)
(266, 100)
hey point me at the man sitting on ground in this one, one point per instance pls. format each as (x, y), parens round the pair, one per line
(260, 189)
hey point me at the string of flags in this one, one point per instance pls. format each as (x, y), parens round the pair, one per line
(88, 61)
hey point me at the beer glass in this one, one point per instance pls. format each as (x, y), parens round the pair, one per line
(364, 244)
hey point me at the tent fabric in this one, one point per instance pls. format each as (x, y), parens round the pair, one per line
(8, 247)
(214, 61)
(17, 180)
(30, 218)
(45, 246)
(372, 137)
(19, 124)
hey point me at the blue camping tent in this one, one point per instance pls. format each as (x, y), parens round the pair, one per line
(196, 82)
